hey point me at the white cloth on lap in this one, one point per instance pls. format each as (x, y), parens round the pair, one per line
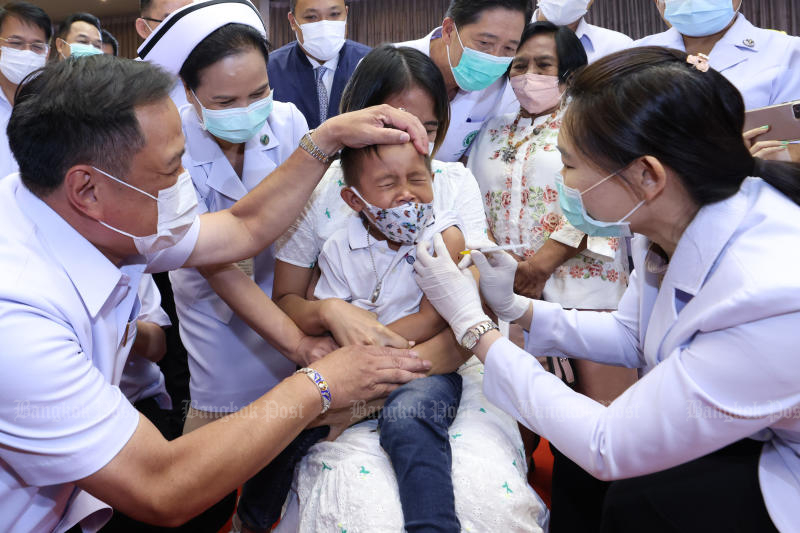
(349, 484)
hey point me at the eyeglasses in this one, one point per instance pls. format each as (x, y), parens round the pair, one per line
(36, 47)
(153, 20)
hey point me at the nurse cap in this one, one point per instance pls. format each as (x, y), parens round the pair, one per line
(175, 38)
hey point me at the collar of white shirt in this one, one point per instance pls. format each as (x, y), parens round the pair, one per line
(94, 276)
(330, 64)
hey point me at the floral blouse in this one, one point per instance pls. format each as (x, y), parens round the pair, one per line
(515, 161)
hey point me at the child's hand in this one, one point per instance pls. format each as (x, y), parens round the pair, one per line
(312, 349)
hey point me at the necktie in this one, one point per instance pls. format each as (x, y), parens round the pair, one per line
(322, 94)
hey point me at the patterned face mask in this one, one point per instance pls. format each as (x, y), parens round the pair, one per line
(402, 224)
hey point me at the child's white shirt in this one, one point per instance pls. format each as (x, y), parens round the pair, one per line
(348, 274)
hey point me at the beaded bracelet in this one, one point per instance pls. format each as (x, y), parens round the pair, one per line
(322, 385)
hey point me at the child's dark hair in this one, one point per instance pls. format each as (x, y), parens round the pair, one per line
(351, 159)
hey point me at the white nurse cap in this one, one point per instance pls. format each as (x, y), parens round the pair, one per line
(175, 38)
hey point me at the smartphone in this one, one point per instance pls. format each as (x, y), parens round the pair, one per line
(783, 119)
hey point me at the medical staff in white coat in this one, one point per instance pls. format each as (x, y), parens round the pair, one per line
(762, 64)
(81, 222)
(473, 48)
(709, 438)
(597, 41)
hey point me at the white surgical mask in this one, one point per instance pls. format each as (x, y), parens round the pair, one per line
(324, 39)
(177, 210)
(16, 64)
(563, 12)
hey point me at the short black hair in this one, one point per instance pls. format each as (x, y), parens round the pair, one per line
(569, 49)
(389, 70)
(352, 158)
(28, 13)
(88, 18)
(230, 39)
(464, 12)
(110, 39)
(144, 5)
(82, 112)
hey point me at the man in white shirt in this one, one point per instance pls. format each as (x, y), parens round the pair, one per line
(25, 30)
(76, 241)
(597, 41)
(473, 48)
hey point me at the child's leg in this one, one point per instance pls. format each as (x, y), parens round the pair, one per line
(263, 494)
(414, 427)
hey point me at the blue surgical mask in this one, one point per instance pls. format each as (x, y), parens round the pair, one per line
(699, 18)
(572, 206)
(237, 125)
(477, 70)
(83, 50)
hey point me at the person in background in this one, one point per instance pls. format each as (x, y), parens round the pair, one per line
(312, 71)
(24, 33)
(516, 161)
(597, 41)
(473, 48)
(153, 12)
(761, 63)
(110, 44)
(78, 36)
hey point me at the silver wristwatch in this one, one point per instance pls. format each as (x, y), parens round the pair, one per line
(474, 334)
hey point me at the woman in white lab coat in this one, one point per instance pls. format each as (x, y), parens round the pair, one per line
(235, 136)
(710, 435)
(761, 63)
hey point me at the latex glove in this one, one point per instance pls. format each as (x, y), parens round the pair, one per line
(452, 292)
(497, 285)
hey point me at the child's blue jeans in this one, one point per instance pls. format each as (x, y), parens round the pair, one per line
(414, 427)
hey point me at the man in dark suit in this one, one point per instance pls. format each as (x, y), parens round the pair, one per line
(312, 71)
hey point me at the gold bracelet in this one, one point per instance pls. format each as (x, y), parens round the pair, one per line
(308, 144)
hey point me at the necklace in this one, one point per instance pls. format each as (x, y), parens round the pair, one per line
(376, 292)
(509, 153)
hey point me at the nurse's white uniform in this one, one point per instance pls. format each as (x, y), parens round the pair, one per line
(229, 363)
(763, 64)
(8, 165)
(469, 109)
(717, 338)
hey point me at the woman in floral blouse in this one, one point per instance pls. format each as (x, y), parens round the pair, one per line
(515, 160)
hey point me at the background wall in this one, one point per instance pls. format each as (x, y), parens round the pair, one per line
(376, 21)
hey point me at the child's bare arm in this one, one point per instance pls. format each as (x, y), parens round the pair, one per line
(426, 323)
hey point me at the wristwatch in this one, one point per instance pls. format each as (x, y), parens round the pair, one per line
(474, 334)
(308, 144)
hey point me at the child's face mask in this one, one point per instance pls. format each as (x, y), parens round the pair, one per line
(402, 224)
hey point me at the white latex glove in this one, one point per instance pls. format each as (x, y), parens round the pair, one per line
(497, 285)
(452, 292)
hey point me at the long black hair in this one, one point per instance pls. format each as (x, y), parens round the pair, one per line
(650, 101)
(387, 71)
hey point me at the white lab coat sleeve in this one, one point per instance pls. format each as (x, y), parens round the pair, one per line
(696, 401)
(609, 338)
